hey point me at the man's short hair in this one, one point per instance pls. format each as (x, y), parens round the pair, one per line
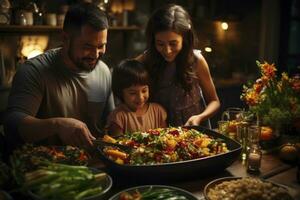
(82, 14)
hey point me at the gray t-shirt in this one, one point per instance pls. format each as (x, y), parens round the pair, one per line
(44, 87)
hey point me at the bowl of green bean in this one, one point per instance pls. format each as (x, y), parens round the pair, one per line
(153, 192)
(60, 181)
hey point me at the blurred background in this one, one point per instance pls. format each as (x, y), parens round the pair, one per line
(232, 35)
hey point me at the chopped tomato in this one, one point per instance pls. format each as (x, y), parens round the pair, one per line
(153, 132)
(82, 156)
(174, 132)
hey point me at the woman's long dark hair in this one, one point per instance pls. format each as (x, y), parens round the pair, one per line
(171, 18)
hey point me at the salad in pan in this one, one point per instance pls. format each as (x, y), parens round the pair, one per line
(163, 145)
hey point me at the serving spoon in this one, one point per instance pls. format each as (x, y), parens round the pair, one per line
(120, 146)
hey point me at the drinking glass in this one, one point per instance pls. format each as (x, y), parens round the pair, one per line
(242, 138)
(254, 133)
(223, 127)
(234, 116)
(232, 113)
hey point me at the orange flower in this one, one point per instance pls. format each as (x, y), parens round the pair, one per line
(258, 87)
(268, 70)
(264, 80)
(251, 98)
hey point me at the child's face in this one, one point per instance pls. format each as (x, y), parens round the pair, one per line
(136, 96)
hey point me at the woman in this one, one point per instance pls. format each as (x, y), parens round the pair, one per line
(179, 73)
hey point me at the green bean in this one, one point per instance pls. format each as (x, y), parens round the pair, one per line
(88, 192)
(162, 194)
(36, 182)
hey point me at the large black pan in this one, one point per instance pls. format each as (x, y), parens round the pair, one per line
(178, 170)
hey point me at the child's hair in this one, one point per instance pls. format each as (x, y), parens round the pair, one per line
(128, 73)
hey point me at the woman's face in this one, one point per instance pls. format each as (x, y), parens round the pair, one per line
(168, 44)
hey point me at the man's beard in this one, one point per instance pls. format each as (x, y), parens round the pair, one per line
(79, 63)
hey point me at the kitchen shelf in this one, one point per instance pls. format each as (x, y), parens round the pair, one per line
(48, 29)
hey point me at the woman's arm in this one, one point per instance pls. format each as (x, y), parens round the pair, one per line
(209, 92)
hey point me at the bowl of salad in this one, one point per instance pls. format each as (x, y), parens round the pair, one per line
(153, 192)
(169, 153)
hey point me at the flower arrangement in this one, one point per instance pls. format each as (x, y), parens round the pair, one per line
(275, 100)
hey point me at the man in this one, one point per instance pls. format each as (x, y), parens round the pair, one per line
(64, 95)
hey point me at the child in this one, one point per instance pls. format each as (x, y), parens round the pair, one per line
(130, 84)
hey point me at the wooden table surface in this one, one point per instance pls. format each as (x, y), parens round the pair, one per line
(272, 169)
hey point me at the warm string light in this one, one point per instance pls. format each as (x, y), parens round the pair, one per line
(224, 26)
(119, 6)
(208, 49)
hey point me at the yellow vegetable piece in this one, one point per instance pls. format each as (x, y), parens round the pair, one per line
(116, 153)
(107, 138)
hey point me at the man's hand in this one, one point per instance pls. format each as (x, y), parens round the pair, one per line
(74, 132)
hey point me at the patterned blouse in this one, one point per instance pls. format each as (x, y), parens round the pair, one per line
(180, 105)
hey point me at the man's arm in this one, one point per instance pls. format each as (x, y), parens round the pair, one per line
(23, 104)
(70, 131)
(24, 100)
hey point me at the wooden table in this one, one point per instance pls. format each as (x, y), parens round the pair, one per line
(272, 169)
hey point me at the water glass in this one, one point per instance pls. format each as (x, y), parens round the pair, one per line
(242, 138)
(223, 127)
(254, 133)
(232, 114)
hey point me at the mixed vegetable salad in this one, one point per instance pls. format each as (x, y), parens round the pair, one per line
(163, 145)
(29, 158)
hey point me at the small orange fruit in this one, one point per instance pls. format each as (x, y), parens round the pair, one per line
(266, 133)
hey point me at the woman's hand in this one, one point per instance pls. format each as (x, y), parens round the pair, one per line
(194, 120)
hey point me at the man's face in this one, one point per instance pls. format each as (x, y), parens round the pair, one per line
(87, 48)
